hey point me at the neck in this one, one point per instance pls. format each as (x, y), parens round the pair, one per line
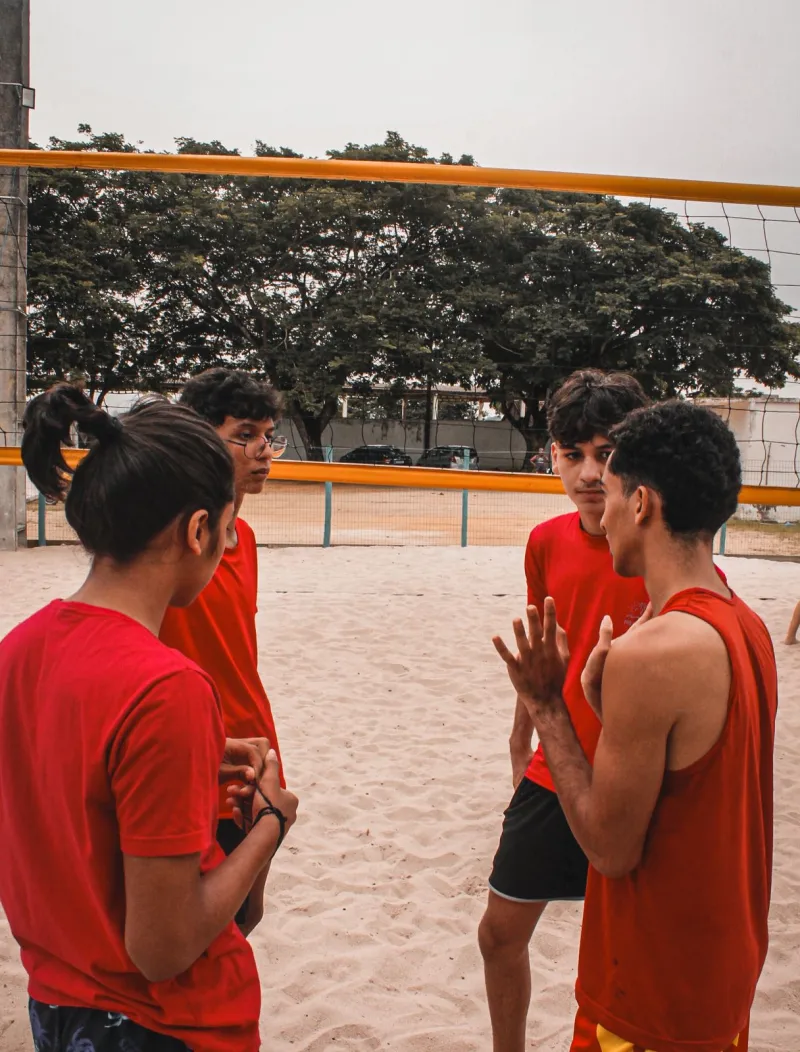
(141, 590)
(591, 524)
(675, 566)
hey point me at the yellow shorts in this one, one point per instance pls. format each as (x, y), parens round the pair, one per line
(589, 1036)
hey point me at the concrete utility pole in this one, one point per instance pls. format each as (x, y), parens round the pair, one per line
(15, 101)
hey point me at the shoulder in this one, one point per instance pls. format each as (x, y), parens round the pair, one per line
(244, 529)
(667, 660)
(551, 531)
(245, 532)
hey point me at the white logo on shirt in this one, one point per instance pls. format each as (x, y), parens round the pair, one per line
(634, 614)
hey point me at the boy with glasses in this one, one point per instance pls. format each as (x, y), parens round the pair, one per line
(218, 630)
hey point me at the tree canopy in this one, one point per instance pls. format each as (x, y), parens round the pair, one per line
(138, 279)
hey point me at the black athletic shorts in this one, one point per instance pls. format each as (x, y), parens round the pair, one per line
(90, 1030)
(538, 858)
(229, 837)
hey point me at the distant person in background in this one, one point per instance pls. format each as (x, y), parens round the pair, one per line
(218, 630)
(540, 462)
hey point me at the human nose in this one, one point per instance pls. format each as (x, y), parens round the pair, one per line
(591, 471)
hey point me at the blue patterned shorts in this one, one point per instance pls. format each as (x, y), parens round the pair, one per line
(57, 1029)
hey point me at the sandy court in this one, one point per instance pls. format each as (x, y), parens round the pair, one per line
(394, 714)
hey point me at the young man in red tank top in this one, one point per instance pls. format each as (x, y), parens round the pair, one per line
(675, 815)
(218, 630)
(538, 859)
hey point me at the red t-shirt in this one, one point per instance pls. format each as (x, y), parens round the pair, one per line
(564, 561)
(218, 632)
(111, 743)
(671, 953)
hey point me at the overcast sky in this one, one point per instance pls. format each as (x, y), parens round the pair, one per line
(703, 89)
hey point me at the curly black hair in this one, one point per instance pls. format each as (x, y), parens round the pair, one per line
(689, 456)
(591, 402)
(218, 393)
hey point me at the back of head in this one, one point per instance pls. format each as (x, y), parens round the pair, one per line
(689, 456)
(158, 463)
(219, 393)
(591, 403)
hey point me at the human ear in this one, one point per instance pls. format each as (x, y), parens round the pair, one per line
(196, 532)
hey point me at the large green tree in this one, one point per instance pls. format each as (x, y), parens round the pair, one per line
(573, 281)
(85, 288)
(314, 284)
(139, 279)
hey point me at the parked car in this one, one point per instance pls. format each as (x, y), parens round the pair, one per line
(377, 455)
(448, 457)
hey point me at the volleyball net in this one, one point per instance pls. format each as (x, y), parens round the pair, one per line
(314, 498)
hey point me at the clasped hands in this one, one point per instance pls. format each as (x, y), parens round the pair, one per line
(244, 762)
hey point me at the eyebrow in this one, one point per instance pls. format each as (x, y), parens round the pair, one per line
(254, 423)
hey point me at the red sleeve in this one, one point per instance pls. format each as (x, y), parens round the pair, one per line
(164, 765)
(534, 574)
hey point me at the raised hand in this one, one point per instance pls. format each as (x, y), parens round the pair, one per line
(592, 675)
(538, 669)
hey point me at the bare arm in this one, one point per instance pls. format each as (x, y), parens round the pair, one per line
(520, 741)
(173, 912)
(609, 808)
(255, 902)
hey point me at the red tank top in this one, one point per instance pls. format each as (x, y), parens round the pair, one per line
(671, 953)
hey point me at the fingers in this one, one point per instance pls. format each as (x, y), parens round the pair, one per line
(523, 644)
(562, 643)
(503, 651)
(606, 632)
(550, 624)
(646, 616)
(270, 778)
(534, 629)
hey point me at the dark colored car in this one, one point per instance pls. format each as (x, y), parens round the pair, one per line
(448, 457)
(377, 455)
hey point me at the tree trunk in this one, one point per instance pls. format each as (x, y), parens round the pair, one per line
(426, 440)
(310, 427)
(532, 425)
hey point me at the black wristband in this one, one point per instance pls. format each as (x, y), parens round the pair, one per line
(270, 809)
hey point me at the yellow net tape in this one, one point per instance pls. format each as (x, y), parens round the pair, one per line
(430, 478)
(406, 172)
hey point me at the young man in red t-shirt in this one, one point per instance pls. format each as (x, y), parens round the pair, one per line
(675, 816)
(218, 630)
(538, 859)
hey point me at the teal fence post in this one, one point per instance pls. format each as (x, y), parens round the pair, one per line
(466, 461)
(42, 532)
(723, 533)
(326, 534)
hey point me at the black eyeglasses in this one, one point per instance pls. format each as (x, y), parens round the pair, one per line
(254, 447)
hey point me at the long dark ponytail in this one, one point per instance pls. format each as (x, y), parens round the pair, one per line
(159, 462)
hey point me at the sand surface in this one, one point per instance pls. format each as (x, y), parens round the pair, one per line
(394, 713)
